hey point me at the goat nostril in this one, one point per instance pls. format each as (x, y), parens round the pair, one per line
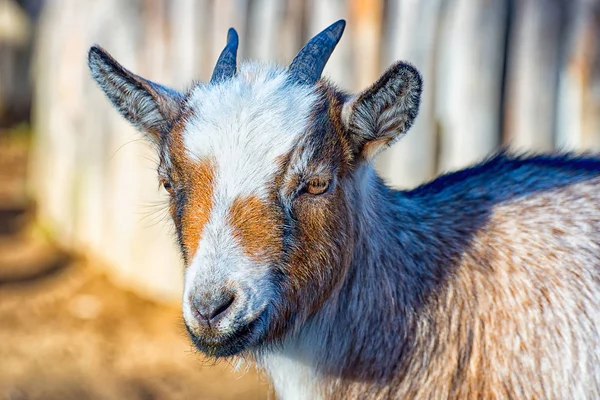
(226, 301)
(211, 309)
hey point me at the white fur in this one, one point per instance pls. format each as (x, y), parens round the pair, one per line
(291, 378)
(243, 124)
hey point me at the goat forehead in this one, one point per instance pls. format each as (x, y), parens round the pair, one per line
(245, 124)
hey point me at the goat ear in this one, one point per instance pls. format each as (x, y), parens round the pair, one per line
(150, 107)
(382, 114)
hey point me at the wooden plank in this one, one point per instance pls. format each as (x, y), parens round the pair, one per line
(532, 79)
(410, 35)
(470, 77)
(366, 21)
(185, 42)
(578, 126)
(262, 27)
(227, 14)
(291, 30)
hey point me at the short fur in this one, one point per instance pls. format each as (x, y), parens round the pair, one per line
(459, 291)
(483, 283)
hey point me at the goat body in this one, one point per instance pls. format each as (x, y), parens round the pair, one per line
(483, 283)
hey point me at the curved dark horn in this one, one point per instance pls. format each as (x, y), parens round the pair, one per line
(307, 66)
(226, 64)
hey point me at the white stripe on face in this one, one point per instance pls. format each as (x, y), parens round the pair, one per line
(244, 125)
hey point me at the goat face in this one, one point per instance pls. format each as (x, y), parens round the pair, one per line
(256, 198)
(261, 168)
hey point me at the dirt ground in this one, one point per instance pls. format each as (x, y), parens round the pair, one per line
(67, 332)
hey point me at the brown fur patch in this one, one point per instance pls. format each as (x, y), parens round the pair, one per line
(195, 180)
(199, 203)
(256, 227)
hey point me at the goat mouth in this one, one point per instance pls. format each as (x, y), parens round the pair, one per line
(245, 337)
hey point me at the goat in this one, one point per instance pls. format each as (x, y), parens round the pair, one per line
(482, 283)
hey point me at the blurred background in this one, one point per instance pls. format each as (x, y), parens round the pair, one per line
(90, 277)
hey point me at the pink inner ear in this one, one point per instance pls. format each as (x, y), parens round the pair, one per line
(384, 112)
(347, 110)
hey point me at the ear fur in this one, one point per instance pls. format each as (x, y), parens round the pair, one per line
(383, 113)
(150, 107)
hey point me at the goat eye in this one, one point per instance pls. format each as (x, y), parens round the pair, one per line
(168, 187)
(317, 186)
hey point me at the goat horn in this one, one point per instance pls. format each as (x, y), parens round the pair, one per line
(226, 64)
(307, 66)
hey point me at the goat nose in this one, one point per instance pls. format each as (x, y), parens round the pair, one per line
(211, 309)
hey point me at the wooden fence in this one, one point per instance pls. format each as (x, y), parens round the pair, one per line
(518, 72)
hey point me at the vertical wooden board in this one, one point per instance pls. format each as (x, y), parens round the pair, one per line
(470, 69)
(124, 40)
(291, 28)
(40, 118)
(591, 111)
(153, 50)
(54, 148)
(143, 252)
(15, 27)
(15, 40)
(410, 35)
(204, 31)
(88, 187)
(532, 78)
(227, 14)
(366, 21)
(185, 42)
(262, 38)
(578, 99)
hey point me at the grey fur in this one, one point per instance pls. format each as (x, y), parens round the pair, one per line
(387, 110)
(482, 284)
(150, 107)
